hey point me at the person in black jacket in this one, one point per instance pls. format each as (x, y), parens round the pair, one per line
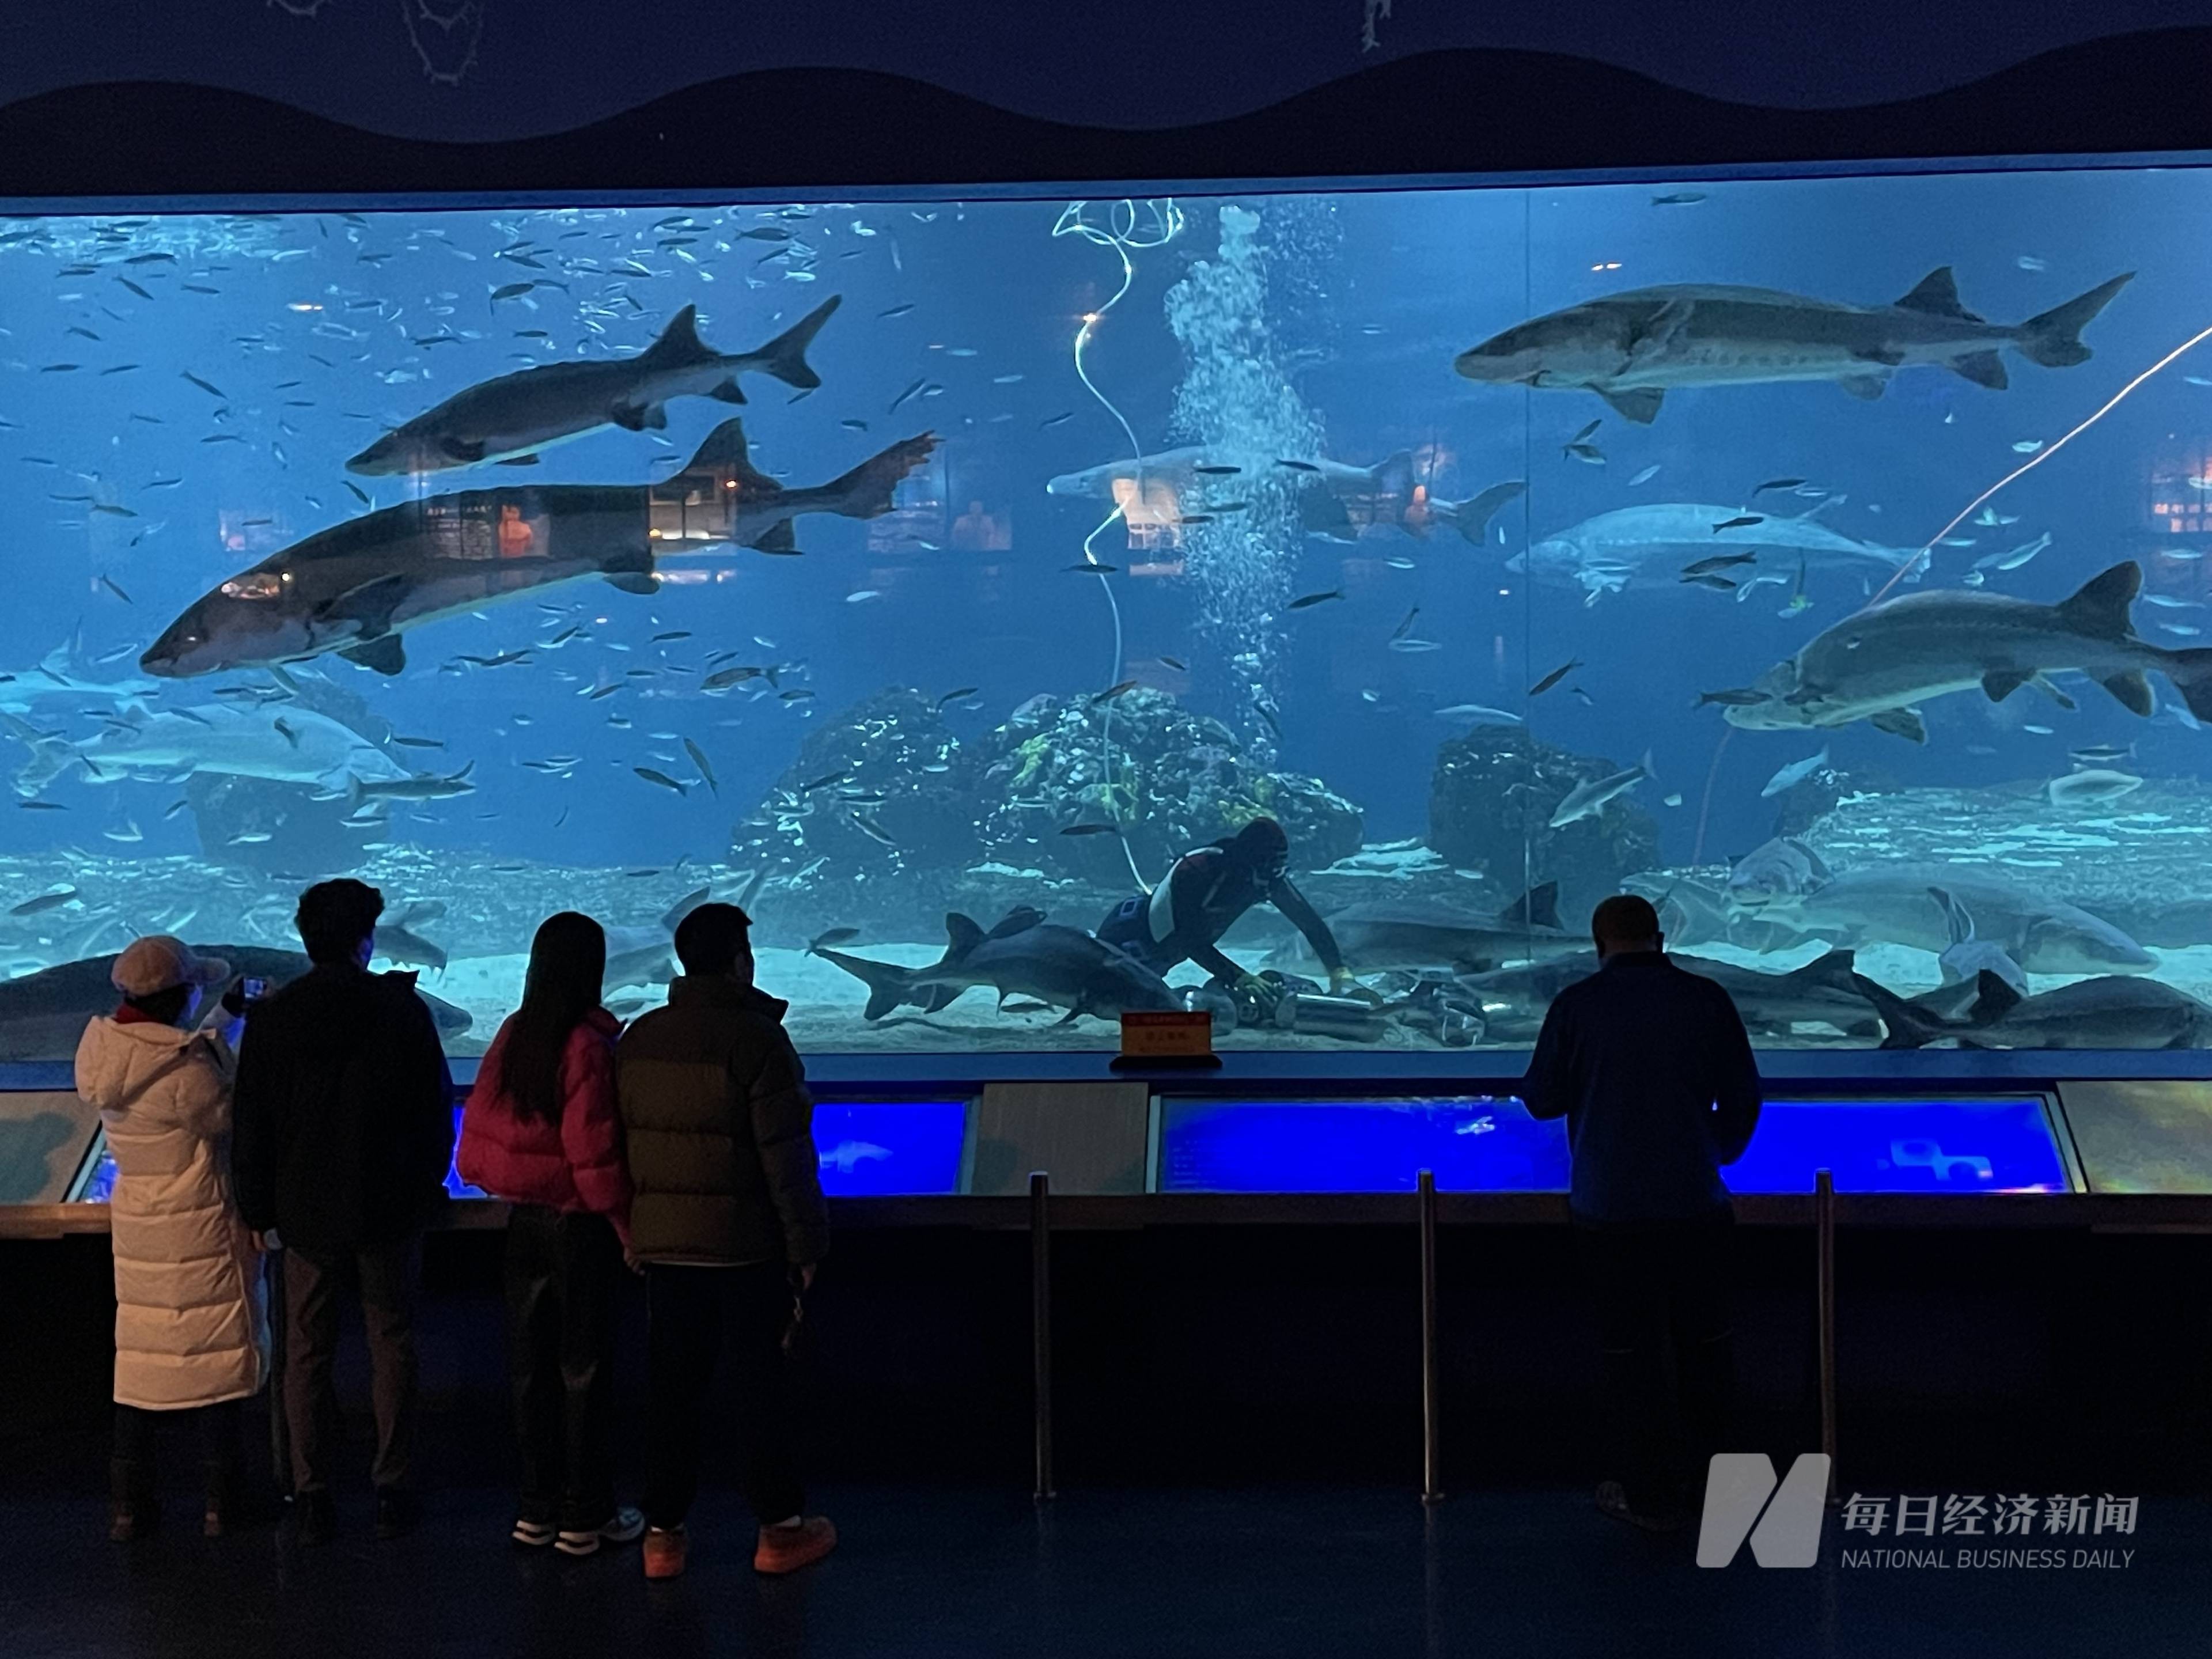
(344, 1131)
(1652, 1069)
(726, 1215)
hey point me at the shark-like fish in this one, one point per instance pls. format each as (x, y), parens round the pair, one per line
(1589, 801)
(521, 413)
(64, 671)
(2091, 1014)
(356, 588)
(646, 957)
(1334, 500)
(1379, 936)
(1891, 903)
(1023, 956)
(1876, 665)
(1638, 545)
(1821, 993)
(285, 744)
(1632, 348)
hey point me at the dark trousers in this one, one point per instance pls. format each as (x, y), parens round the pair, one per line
(562, 1271)
(387, 1277)
(132, 1462)
(1658, 1285)
(693, 1309)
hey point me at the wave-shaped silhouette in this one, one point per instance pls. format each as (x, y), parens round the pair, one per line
(1463, 111)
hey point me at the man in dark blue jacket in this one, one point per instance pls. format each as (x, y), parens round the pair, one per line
(1652, 1069)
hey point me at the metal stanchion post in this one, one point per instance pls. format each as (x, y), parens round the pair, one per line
(1040, 1321)
(1823, 1228)
(1431, 1467)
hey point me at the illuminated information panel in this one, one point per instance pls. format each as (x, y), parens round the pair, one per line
(1481, 1144)
(1475, 1144)
(867, 1148)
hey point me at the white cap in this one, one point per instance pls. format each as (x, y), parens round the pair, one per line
(161, 962)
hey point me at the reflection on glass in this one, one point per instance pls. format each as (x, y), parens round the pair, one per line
(940, 580)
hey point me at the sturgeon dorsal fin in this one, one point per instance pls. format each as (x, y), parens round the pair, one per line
(679, 343)
(725, 454)
(1993, 999)
(962, 936)
(1936, 295)
(2098, 609)
(1832, 967)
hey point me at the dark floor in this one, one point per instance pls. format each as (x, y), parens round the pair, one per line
(1117, 1575)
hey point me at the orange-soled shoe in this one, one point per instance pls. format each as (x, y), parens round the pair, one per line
(786, 1549)
(664, 1552)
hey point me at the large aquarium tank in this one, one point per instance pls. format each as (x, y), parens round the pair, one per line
(1304, 606)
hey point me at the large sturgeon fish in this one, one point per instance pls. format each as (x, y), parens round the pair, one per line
(1632, 348)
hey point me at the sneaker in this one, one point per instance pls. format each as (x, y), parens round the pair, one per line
(536, 1534)
(786, 1549)
(664, 1552)
(622, 1526)
(1612, 1500)
(397, 1513)
(314, 1518)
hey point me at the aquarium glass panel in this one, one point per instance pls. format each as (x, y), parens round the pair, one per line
(2144, 1137)
(1301, 605)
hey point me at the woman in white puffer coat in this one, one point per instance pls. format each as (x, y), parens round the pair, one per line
(190, 1326)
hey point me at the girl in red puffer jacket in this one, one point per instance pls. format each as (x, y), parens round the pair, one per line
(541, 1131)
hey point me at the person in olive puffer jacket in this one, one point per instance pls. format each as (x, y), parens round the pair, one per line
(541, 1131)
(727, 1217)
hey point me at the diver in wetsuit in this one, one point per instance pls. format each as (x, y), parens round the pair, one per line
(1183, 918)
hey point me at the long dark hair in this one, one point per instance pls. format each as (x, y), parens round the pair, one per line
(567, 963)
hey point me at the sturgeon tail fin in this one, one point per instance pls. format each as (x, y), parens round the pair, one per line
(888, 986)
(1906, 1026)
(785, 356)
(2054, 339)
(1833, 969)
(1471, 516)
(865, 491)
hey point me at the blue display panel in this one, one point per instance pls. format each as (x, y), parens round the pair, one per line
(867, 1148)
(875, 1147)
(1484, 1144)
(1998, 1145)
(1476, 1144)
(100, 1186)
